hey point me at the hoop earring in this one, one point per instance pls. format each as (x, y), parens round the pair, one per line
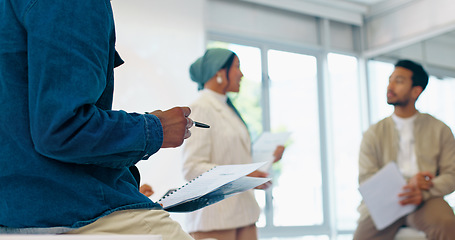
(219, 80)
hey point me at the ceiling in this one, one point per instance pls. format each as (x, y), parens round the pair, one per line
(348, 11)
(356, 11)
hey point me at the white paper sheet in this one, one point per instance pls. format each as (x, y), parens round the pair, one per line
(213, 186)
(265, 145)
(380, 194)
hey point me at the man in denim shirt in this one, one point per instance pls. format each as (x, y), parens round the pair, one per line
(64, 154)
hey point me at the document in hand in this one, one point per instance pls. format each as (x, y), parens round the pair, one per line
(380, 194)
(212, 186)
(265, 145)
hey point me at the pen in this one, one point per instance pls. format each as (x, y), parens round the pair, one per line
(201, 125)
(197, 124)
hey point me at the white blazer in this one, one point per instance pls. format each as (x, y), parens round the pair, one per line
(226, 142)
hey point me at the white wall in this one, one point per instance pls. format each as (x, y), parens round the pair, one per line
(158, 41)
(261, 23)
(409, 24)
(421, 30)
(409, 21)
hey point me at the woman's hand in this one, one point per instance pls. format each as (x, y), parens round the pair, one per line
(146, 190)
(261, 174)
(278, 154)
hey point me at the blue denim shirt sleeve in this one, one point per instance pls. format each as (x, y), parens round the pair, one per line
(69, 66)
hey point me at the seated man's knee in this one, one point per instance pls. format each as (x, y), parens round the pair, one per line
(442, 228)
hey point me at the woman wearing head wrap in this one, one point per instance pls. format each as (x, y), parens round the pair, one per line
(227, 142)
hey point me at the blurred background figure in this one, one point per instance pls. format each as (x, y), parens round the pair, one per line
(226, 142)
(146, 190)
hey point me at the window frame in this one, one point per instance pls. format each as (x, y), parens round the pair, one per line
(328, 226)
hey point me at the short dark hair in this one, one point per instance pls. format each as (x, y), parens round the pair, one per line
(419, 75)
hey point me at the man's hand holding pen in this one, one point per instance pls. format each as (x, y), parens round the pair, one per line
(176, 125)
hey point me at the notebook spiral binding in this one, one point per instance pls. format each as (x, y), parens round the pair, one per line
(172, 191)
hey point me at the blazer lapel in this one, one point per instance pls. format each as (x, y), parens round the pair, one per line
(232, 119)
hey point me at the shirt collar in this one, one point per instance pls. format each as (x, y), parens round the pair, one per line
(399, 121)
(220, 97)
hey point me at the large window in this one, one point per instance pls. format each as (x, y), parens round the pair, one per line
(378, 79)
(248, 100)
(297, 192)
(438, 98)
(318, 99)
(314, 190)
(344, 136)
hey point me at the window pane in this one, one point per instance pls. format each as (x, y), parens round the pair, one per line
(345, 137)
(437, 98)
(379, 73)
(248, 100)
(344, 237)
(297, 191)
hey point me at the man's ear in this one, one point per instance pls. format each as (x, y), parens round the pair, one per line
(416, 91)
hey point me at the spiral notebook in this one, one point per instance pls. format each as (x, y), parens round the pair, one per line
(211, 187)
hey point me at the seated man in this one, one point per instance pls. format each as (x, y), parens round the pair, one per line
(423, 148)
(64, 153)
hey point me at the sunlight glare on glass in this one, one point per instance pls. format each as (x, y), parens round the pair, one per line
(345, 131)
(294, 108)
(379, 73)
(296, 65)
(249, 56)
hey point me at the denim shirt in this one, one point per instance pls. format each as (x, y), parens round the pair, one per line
(64, 154)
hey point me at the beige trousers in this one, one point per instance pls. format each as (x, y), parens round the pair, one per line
(435, 217)
(136, 221)
(243, 233)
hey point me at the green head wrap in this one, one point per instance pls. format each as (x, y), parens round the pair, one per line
(208, 65)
